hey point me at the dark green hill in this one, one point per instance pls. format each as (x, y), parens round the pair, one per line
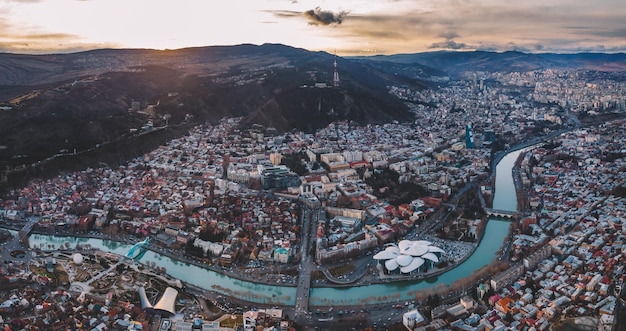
(59, 103)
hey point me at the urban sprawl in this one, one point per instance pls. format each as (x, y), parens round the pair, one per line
(347, 205)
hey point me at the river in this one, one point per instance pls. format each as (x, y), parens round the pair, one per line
(496, 231)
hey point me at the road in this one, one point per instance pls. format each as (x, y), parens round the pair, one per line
(310, 218)
(438, 217)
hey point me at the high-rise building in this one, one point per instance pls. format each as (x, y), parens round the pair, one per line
(469, 136)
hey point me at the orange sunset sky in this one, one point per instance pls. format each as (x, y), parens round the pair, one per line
(351, 27)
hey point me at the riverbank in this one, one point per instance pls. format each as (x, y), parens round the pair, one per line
(501, 154)
(283, 296)
(247, 287)
(522, 201)
(236, 273)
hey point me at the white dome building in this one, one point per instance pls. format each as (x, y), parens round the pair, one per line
(77, 258)
(409, 256)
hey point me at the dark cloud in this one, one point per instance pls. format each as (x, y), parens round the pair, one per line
(37, 48)
(28, 40)
(611, 33)
(318, 16)
(449, 44)
(448, 35)
(49, 36)
(574, 27)
(388, 28)
(285, 13)
(383, 34)
(386, 19)
(34, 37)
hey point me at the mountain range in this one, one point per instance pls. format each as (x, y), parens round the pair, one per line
(113, 99)
(457, 63)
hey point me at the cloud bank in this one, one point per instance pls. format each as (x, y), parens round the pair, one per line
(532, 26)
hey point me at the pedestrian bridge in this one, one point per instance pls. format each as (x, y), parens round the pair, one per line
(140, 245)
(501, 213)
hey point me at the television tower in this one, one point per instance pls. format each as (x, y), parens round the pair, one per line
(336, 74)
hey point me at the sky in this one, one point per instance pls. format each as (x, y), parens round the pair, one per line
(347, 27)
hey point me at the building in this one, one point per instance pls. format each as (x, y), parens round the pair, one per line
(506, 277)
(412, 319)
(276, 158)
(166, 304)
(409, 256)
(469, 136)
(334, 161)
(278, 177)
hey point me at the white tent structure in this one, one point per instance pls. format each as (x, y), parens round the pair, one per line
(409, 256)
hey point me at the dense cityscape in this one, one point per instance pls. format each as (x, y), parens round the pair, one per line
(348, 206)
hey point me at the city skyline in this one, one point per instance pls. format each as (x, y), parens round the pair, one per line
(353, 27)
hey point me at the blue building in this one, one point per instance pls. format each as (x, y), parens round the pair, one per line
(469, 136)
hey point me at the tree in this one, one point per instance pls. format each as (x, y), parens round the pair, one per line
(193, 250)
(104, 263)
(211, 234)
(294, 162)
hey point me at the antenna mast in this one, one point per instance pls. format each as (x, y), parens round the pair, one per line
(336, 74)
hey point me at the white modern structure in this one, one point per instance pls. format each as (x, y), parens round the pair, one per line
(409, 256)
(77, 258)
(166, 304)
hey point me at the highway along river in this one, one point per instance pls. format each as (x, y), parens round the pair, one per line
(496, 230)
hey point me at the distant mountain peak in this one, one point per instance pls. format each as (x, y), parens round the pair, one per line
(457, 62)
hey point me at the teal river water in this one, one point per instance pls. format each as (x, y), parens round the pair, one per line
(493, 239)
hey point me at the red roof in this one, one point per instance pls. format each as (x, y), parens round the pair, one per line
(358, 163)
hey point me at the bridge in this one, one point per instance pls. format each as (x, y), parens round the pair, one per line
(140, 245)
(26, 229)
(496, 212)
(501, 213)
